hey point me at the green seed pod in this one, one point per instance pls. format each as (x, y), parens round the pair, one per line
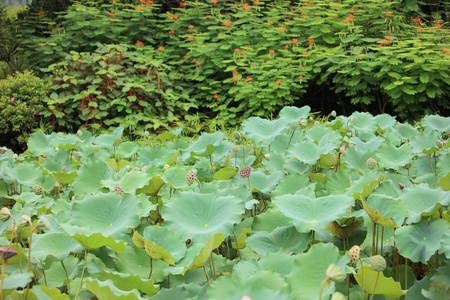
(378, 263)
(238, 142)
(191, 177)
(237, 135)
(235, 149)
(371, 163)
(38, 190)
(335, 273)
(294, 125)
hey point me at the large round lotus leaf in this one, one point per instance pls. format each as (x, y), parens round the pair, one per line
(438, 291)
(108, 214)
(338, 182)
(414, 292)
(295, 114)
(128, 282)
(175, 177)
(355, 159)
(225, 173)
(405, 130)
(199, 216)
(286, 239)
(386, 286)
(15, 281)
(44, 293)
(160, 243)
(261, 279)
(39, 144)
(392, 157)
(56, 244)
(443, 165)
(434, 122)
(425, 142)
(364, 186)
(64, 178)
(446, 244)
(156, 155)
(389, 208)
(108, 139)
(312, 213)
(422, 200)
(310, 269)
(107, 290)
(89, 176)
(370, 144)
(127, 149)
(366, 122)
(269, 221)
(324, 135)
(441, 274)
(263, 130)
(96, 240)
(290, 184)
(420, 241)
(308, 152)
(206, 144)
(385, 121)
(26, 173)
(263, 183)
(130, 182)
(280, 263)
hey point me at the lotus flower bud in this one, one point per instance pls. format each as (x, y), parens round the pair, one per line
(245, 172)
(24, 220)
(354, 120)
(333, 114)
(303, 122)
(15, 156)
(191, 177)
(354, 253)
(237, 135)
(5, 214)
(378, 263)
(43, 223)
(79, 133)
(267, 156)
(335, 273)
(235, 149)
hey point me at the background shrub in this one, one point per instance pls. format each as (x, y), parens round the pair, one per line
(21, 104)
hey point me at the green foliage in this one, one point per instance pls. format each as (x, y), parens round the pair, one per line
(21, 104)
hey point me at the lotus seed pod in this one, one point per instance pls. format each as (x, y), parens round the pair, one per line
(354, 253)
(166, 166)
(267, 156)
(440, 144)
(43, 223)
(407, 166)
(37, 189)
(63, 169)
(191, 177)
(7, 252)
(354, 120)
(402, 185)
(235, 149)
(333, 114)
(118, 189)
(24, 220)
(238, 142)
(237, 135)
(5, 214)
(371, 163)
(79, 133)
(378, 263)
(335, 273)
(294, 125)
(96, 148)
(303, 122)
(245, 172)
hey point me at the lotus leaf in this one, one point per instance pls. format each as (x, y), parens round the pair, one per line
(175, 177)
(290, 184)
(443, 166)
(435, 122)
(15, 281)
(438, 291)
(89, 176)
(386, 286)
(44, 293)
(117, 165)
(366, 122)
(391, 211)
(295, 114)
(107, 290)
(64, 178)
(108, 139)
(263, 130)
(56, 244)
(392, 157)
(312, 213)
(369, 144)
(420, 241)
(153, 187)
(269, 221)
(263, 183)
(155, 155)
(206, 144)
(425, 142)
(225, 173)
(127, 149)
(130, 182)
(385, 121)
(198, 216)
(405, 130)
(308, 152)
(355, 159)
(92, 241)
(26, 173)
(39, 144)
(128, 282)
(338, 182)
(55, 273)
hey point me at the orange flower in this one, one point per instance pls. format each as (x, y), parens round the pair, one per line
(282, 28)
(287, 47)
(175, 17)
(190, 38)
(171, 31)
(194, 60)
(419, 29)
(445, 51)
(199, 63)
(54, 31)
(270, 22)
(246, 7)
(191, 27)
(388, 14)
(235, 72)
(214, 2)
(417, 21)
(278, 82)
(244, 52)
(208, 16)
(182, 4)
(300, 77)
(247, 79)
(237, 49)
(389, 36)
(256, 2)
(305, 53)
(235, 78)
(112, 15)
(216, 96)
(160, 48)
(138, 8)
(138, 43)
(185, 56)
(384, 42)
(306, 4)
(294, 41)
(271, 51)
(310, 40)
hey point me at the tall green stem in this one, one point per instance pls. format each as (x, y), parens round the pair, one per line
(82, 274)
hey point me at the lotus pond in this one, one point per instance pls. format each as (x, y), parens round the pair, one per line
(291, 208)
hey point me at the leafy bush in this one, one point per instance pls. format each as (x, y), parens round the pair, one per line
(21, 102)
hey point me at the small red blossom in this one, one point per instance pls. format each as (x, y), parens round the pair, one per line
(181, 70)
(270, 22)
(112, 15)
(271, 52)
(160, 48)
(182, 4)
(237, 49)
(54, 31)
(389, 36)
(190, 38)
(282, 28)
(199, 63)
(305, 53)
(235, 78)
(244, 52)
(191, 27)
(353, 9)
(420, 29)
(388, 14)
(300, 77)
(287, 47)
(246, 7)
(194, 60)
(445, 52)
(185, 56)
(256, 2)
(417, 20)
(306, 4)
(216, 96)
(294, 41)
(278, 82)
(247, 79)
(171, 31)
(310, 40)
(214, 2)
(208, 16)
(384, 42)
(138, 43)
(175, 17)
(138, 8)
(235, 72)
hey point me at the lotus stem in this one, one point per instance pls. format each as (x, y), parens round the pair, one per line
(250, 187)
(214, 267)
(382, 237)
(327, 279)
(406, 273)
(210, 265)
(199, 185)
(290, 139)
(151, 268)
(375, 287)
(362, 287)
(29, 247)
(45, 203)
(210, 161)
(206, 274)
(3, 277)
(13, 232)
(67, 275)
(82, 274)
(43, 272)
(237, 246)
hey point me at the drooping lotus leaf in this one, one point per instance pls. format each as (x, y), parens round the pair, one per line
(370, 144)
(329, 160)
(200, 259)
(365, 186)
(199, 216)
(438, 291)
(391, 210)
(108, 214)
(15, 281)
(290, 184)
(153, 186)
(420, 241)
(435, 122)
(295, 114)
(89, 176)
(385, 286)
(26, 173)
(160, 243)
(127, 149)
(405, 130)
(312, 213)
(96, 240)
(225, 173)
(343, 232)
(338, 182)
(108, 139)
(107, 290)
(156, 155)
(206, 144)
(263, 130)
(263, 183)
(425, 142)
(56, 244)
(45, 293)
(286, 239)
(308, 152)
(422, 201)
(118, 165)
(378, 218)
(269, 221)
(366, 122)
(128, 282)
(306, 285)
(64, 178)
(391, 157)
(130, 182)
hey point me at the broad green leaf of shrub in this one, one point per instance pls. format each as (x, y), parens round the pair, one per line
(199, 216)
(56, 244)
(392, 157)
(420, 241)
(312, 213)
(385, 286)
(108, 139)
(295, 114)
(422, 201)
(206, 144)
(160, 243)
(128, 282)
(306, 285)
(285, 239)
(308, 152)
(225, 173)
(107, 290)
(263, 130)
(263, 183)
(26, 173)
(89, 176)
(109, 214)
(425, 142)
(435, 122)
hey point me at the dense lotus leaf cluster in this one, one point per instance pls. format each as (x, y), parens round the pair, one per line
(104, 216)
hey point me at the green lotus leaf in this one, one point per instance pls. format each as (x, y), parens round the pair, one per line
(343, 232)
(153, 187)
(176, 292)
(425, 142)
(329, 160)
(127, 149)
(385, 121)
(285, 239)
(420, 241)
(89, 176)
(435, 122)
(446, 244)
(295, 114)
(64, 178)
(55, 275)
(367, 184)
(441, 274)
(108, 139)
(128, 282)
(392, 157)
(338, 182)
(370, 144)
(39, 144)
(308, 152)
(225, 173)
(199, 260)
(156, 155)
(62, 141)
(118, 165)
(15, 281)
(443, 165)
(324, 136)
(405, 130)
(354, 159)
(385, 286)
(312, 213)
(378, 218)
(306, 285)
(290, 184)
(199, 216)
(109, 214)
(415, 291)
(173, 159)
(160, 243)
(56, 244)
(263, 183)
(107, 290)
(269, 221)
(92, 241)
(391, 210)
(438, 291)
(206, 144)
(44, 293)
(175, 177)
(26, 173)
(263, 130)
(366, 122)
(279, 262)
(422, 200)
(130, 182)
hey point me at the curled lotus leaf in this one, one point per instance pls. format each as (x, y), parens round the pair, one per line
(263, 130)
(107, 290)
